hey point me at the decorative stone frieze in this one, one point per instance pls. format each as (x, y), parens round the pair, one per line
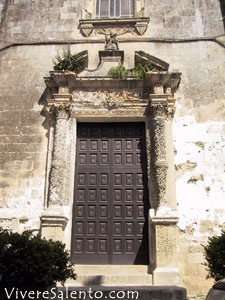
(103, 96)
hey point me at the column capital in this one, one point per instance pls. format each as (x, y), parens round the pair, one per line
(162, 105)
(60, 106)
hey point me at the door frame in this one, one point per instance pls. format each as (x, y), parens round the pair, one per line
(109, 101)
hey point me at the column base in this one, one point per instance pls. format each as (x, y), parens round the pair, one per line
(53, 226)
(167, 276)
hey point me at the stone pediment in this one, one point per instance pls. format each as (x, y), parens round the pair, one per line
(142, 57)
(94, 89)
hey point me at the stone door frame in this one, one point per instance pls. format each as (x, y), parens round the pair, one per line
(150, 100)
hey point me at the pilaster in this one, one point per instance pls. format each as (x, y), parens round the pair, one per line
(163, 219)
(53, 221)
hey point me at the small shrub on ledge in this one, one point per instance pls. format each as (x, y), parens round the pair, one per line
(140, 70)
(119, 72)
(30, 261)
(70, 62)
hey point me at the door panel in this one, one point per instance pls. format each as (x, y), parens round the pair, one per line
(111, 197)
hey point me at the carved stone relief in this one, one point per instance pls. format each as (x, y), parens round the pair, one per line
(86, 29)
(159, 114)
(105, 99)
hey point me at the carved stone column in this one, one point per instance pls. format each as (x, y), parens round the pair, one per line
(53, 221)
(163, 220)
(56, 187)
(159, 114)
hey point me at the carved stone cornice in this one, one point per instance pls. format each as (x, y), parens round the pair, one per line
(167, 80)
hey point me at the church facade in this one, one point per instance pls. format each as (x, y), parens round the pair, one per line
(129, 171)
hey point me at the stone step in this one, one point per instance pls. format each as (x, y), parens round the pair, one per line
(111, 269)
(105, 275)
(124, 292)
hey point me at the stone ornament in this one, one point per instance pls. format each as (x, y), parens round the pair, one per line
(141, 27)
(86, 29)
(101, 97)
(111, 42)
(141, 13)
(158, 89)
(88, 15)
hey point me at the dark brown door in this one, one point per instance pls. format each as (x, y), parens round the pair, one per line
(111, 196)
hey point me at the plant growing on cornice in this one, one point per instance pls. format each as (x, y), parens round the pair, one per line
(140, 70)
(70, 62)
(119, 72)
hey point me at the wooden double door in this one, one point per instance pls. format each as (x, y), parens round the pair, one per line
(111, 196)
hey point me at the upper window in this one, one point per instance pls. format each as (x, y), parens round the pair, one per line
(114, 8)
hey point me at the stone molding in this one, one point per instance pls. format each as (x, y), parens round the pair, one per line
(165, 220)
(54, 221)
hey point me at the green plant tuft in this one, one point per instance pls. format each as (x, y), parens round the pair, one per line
(70, 62)
(27, 260)
(214, 253)
(119, 72)
(141, 69)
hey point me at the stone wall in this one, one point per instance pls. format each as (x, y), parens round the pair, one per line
(199, 121)
(58, 20)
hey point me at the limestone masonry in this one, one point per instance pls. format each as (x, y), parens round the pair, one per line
(182, 104)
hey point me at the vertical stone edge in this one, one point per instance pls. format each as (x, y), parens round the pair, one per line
(163, 219)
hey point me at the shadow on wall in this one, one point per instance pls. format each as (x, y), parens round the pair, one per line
(222, 6)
